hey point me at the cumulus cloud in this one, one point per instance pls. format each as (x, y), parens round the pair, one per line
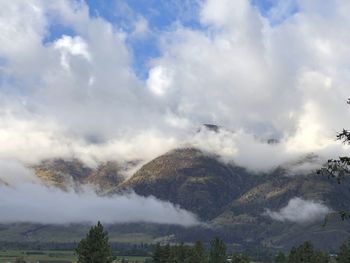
(71, 46)
(71, 94)
(300, 211)
(281, 81)
(159, 80)
(245, 76)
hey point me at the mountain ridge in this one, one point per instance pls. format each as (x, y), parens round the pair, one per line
(231, 199)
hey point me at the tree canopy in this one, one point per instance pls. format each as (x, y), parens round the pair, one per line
(95, 247)
(217, 253)
(307, 253)
(343, 255)
(339, 168)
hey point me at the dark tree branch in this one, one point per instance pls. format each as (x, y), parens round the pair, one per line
(344, 136)
(339, 168)
(336, 168)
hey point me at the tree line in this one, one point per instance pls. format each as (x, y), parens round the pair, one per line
(96, 248)
(304, 253)
(196, 253)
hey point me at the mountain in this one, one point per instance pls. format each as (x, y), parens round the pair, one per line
(196, 181)
(248, 212)
(66, 174)
(106, 176)
(234, 199)
(231, 200)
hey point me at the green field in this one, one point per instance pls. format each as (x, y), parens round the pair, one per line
(34, 256)
(131, 259)
(50, 256)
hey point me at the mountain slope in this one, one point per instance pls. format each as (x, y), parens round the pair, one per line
(195, 181)
(66, 174)
(274, 192)
(106, 176)
(231, 198)
(62, 173)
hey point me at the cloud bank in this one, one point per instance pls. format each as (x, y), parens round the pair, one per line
(25, 199)
(37, 204)
(300, 211)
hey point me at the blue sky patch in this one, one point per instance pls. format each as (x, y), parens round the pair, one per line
(56, 31)
(161, 16)
(276, 11)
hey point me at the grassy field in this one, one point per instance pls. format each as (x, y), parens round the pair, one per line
(50, 256)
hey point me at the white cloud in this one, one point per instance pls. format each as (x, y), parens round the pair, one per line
(159, 80)
(26, 200)
(71, 46)
(35, 203)
(16, 32)
(300, 211)
(30, 141)
(282, 10)
(282, 81)
(258, 155)
(239, 72)
(12, 172)
(141, 28)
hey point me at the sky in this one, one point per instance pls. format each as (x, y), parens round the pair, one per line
(130, 80)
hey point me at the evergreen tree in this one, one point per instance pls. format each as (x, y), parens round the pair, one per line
(181, 253)
(157, 254)
(166, 254)
(305, 252)
(293, 257)
(343, 254)
(174, 254)
(280, 258)
(217, 251)
(198, 253)
(320, 257)
(95, 247)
